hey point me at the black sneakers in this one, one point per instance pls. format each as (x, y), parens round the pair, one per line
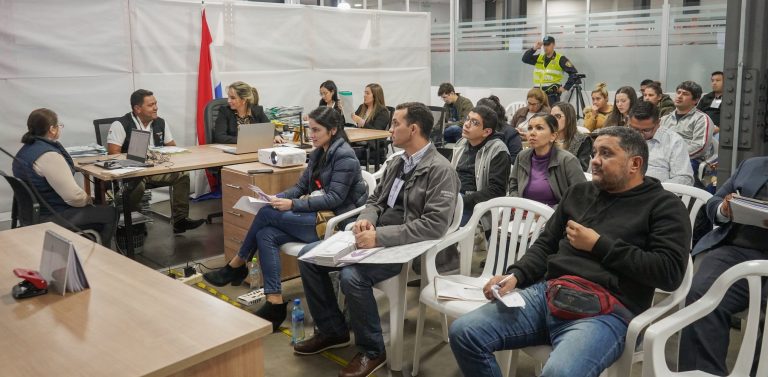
(184, 225)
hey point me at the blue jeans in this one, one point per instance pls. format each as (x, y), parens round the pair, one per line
(357, 282)
(270, 229)
(452, 134)
(583, 347)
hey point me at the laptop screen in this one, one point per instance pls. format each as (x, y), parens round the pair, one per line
(137, 147)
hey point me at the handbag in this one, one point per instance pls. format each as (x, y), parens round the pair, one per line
(572, 297)
(322, 216)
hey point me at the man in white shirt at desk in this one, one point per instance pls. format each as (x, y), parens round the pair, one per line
(143, 116)
(414, 202)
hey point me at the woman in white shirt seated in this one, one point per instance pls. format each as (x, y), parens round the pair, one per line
(44, 164)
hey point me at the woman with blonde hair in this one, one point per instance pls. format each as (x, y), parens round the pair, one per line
(243, 101)
(594, 117)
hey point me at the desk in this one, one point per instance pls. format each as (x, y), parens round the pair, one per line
(366, 134)
(196, 157)
(134, 321)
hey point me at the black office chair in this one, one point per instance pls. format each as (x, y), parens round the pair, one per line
(210, 113)
(25, 210)
(101, 127)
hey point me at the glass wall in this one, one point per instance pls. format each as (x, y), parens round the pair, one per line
(618, 42)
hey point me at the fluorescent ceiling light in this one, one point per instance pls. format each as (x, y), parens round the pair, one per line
(358, 5)
(343, 5)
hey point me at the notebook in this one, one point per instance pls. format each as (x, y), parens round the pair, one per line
(137, 152)
(252, 137)
(60, 266)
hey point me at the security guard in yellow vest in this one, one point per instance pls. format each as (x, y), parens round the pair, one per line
(549, 69)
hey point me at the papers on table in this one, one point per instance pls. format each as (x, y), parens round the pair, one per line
(449, 289)
(250, 204)
(749, 211)
(123, 171)
(92, 149)
(168, 149)
(60, 265)
(220, 146)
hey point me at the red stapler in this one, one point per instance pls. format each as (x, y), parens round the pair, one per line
(32, 285)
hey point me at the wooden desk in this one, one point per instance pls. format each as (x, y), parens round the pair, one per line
(196, 157)
(366, 134)
(133, 321)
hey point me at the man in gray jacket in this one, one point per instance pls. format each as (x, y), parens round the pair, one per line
(415, 201)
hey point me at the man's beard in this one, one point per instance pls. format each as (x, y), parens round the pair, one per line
(611, 183)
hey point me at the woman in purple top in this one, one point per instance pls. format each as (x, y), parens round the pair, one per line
(543, 172)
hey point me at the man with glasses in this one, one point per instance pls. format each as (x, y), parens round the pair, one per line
(456, 108)
(667, 151)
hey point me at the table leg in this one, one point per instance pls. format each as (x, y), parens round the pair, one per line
(98, 190)
(127, 220)
(376, 155)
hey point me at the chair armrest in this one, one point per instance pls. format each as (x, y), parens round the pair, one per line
(460, 236)
(334, 221)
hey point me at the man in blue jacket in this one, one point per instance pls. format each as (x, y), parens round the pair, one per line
(704, 344)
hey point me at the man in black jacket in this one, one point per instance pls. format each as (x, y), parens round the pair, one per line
(622, 231)
(710, 102)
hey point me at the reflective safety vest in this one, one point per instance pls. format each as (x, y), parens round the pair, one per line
(551, 74)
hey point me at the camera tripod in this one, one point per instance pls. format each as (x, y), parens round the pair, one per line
(577, 90)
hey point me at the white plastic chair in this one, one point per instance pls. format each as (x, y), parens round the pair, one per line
(513, 107)
(380, 173)
(657, 334)
(588, 176)
(631, 355)
(293, 248)
(521, 231)
(692, 197)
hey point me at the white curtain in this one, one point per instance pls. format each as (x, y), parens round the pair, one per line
(83, 58)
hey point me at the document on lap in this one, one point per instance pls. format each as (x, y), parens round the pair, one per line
(340, 250)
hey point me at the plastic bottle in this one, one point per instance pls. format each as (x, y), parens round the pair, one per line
(297, 322)
(254, 274)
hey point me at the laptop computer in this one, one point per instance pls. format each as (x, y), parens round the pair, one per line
(252, 137)
(137, 153)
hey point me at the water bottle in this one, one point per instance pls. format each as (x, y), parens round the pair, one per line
(254, 274)
(297, 322)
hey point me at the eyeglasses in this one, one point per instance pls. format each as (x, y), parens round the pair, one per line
(534, 104)
(558, 116)
(60, 125)
(644, 130)
(472, 122)
(323, 94)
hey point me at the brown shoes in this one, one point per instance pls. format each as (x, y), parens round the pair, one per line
(320, 343)
(362, 366)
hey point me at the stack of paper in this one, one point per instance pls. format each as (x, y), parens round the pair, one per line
(331, 251)
(92, 149)
(168, 149)
(749, 211)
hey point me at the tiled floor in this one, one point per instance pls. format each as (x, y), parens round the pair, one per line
(162, 249)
